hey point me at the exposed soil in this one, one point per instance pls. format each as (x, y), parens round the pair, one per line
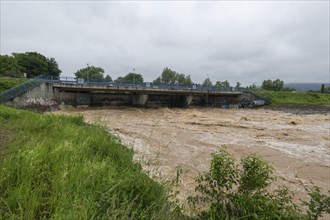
(301, 109)
(297, 145)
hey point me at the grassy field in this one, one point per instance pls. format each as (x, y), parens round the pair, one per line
(59, 167)
(295, 98)
(7, 83)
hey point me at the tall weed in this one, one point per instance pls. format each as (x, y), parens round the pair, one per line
(58, 167)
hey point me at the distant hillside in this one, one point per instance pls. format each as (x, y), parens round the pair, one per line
(304, 87)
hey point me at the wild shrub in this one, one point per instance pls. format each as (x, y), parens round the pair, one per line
(232, 191)
(318, 205)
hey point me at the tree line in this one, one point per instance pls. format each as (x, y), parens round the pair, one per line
(34, 64)
(167, 76)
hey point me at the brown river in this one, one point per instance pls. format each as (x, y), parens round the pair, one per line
(166, 140)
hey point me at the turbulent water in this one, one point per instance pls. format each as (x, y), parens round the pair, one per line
(165, 140)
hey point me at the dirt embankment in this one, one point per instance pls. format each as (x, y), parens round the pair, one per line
(298, 146)
(301, 109)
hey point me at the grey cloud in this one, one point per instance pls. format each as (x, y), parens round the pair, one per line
(238, 41)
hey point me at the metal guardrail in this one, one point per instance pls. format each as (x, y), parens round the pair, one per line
(19, 89)
(267, 100)
(147, 85)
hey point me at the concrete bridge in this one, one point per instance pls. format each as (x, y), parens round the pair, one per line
(70, 92)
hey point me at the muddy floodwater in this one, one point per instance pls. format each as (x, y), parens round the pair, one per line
(165, 140)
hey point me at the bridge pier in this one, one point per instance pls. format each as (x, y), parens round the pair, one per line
(189, 99)
(139, 99)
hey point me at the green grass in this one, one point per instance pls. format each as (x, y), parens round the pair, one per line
(58, 167)
(7, 83)
(295, 98)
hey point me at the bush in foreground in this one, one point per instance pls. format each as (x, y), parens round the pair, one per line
(240, 192)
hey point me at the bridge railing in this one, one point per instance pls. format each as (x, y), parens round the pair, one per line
(258, 95)
(20, 89)
(147, 85)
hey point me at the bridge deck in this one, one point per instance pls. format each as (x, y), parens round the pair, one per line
(140, 89)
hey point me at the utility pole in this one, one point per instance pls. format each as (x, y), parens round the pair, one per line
(87, 72)
(134, 76)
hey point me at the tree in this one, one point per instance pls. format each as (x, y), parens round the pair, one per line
(238, 84)
(35, 64)
(207, 82)
(90, 73)
(131, 78)
(218, 84)
(158, 80)
(222, 84)
(182, 79)
(226, 83)
(108, 78)
(253, 86)
(276, 85)
(322, 88)
(189, 82)
(32, 63)
(267, 84)
(9, 66)
(53, 69)
(169, 76)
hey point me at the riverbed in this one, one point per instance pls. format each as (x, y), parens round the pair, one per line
(169, 140)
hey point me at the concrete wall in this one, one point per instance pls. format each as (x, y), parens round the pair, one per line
(74, 98)
(221, 100)
(247, 97)
(41, 95)
(251, 100)
(158, 100)
(169, 100)
(110, 99)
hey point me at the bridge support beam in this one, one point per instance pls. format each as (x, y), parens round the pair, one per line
(139, 99)
(189, 99)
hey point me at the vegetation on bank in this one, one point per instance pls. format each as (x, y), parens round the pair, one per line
(7, 82)
(232, 191)
(295, 98)
(59, 167)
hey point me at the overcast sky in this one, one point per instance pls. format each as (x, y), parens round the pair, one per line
(246, 41)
